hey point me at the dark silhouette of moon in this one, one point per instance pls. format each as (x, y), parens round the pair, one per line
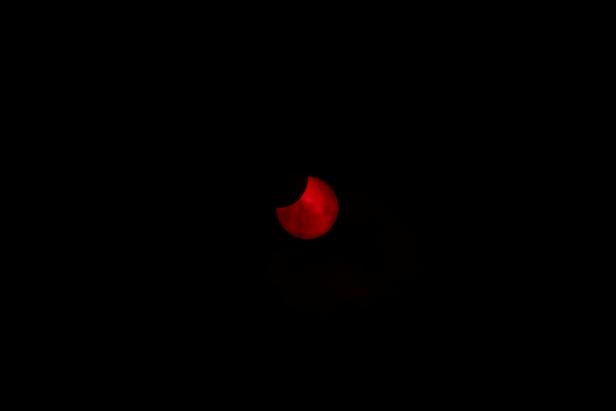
(314, 214)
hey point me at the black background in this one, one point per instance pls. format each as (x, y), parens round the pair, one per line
(165, 147)
(177, 244)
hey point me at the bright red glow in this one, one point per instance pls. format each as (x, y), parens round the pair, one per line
(314, 214)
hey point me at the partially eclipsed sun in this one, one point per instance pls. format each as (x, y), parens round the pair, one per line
(314, 214)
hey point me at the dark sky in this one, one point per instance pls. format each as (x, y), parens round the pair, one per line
(181, 146)
(188, 181)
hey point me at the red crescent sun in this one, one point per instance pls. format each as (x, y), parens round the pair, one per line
(314, 214)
